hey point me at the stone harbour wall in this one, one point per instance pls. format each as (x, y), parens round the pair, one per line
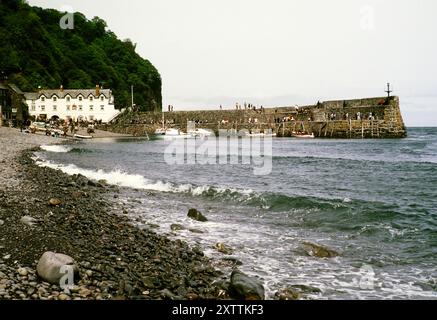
(378, 117)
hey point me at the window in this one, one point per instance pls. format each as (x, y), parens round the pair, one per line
(33, 108)
(102, 108)
(43, 108)
(55, 99)
(80, 108)
(102, 98)
(80, 98)
(43, 99)
(91, 108)
(74, 107)
(55, 108)
(68, 99)
(68, 108)
(91, 118)
(91, 98)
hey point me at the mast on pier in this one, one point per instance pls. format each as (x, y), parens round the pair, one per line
(388, 90)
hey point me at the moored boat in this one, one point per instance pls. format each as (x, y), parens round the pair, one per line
(303, 135)
(80, 136)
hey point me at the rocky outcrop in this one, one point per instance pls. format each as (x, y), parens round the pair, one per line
(243, 287)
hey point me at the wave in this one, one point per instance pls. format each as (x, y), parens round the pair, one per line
(267, 200)
(333, 209)
(136, 181)
(57, 148)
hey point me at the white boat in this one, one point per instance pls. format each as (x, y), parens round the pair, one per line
(303, 136)
(80, 136)
(259, 133)
(170, 133)
(262, 135)
(201, 133)
(174, 133)
(160, 131)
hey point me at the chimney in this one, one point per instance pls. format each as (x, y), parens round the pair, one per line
(61, 88)
(97, 90)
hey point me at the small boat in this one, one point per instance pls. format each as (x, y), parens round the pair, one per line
(201, 133)
(160, 131)
(174, 133)
(80, 136)
(170, 133)
(303, 135)
(261, 135)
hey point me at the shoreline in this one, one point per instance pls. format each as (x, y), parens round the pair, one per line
(116, 260)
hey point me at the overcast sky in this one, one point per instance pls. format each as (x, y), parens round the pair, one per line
(281, 52)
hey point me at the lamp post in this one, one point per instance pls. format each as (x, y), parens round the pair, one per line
(132, 96)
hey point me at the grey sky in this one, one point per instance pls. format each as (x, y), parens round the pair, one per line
(281, 52)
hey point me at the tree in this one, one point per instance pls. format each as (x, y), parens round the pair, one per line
(36, 52)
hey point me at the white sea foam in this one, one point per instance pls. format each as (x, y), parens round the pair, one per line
(136, 181)
(56, 148)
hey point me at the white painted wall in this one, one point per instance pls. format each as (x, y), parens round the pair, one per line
(89, 108)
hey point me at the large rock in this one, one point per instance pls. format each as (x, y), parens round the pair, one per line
(296, 292)
(287, 294)
(196, 215)
(243, 287)
(222, 248)
(50, 264)
(81, 180)
(316, 250)
(176, 227)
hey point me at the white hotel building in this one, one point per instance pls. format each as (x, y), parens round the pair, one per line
(83, 104)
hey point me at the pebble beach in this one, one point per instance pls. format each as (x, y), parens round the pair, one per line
(115, 259)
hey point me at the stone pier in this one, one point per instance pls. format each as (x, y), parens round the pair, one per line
(346, 119)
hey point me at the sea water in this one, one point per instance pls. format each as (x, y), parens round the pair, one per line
(373, 201)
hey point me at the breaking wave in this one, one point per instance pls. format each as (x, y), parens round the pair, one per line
(56, 148)
(268, 200)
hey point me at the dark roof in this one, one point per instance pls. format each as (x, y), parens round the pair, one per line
(74, 93)
(15, 88)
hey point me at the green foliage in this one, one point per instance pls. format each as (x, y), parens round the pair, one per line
(35, 51)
